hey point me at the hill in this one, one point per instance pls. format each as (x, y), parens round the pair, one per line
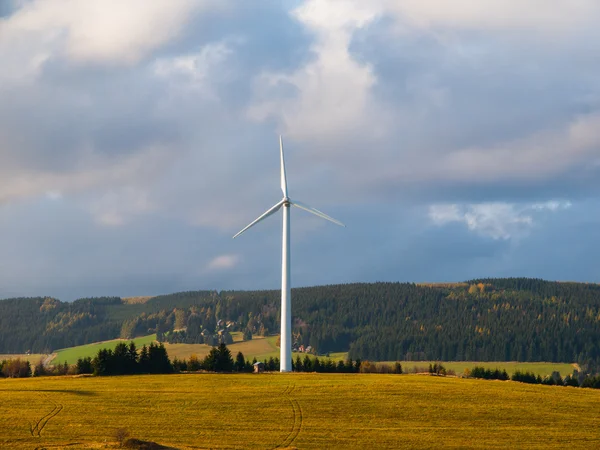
(296, 411)
(516, 319)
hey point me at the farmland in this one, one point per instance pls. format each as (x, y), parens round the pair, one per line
(259, 347)
(296, 410)
(539, 368)
(263, 348)
(32, 358)
(70, 355)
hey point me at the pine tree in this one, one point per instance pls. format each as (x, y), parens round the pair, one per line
(144, 360)
(224, 359)
(307, 364)
(240, 362)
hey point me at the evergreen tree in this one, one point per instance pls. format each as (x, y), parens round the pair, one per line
(224, 359)
(144, 360)
(316, 365)
(307, 364)
(240, 362)
(210, 362)
(84, 366)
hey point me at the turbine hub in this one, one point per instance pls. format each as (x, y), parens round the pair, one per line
(286, 201)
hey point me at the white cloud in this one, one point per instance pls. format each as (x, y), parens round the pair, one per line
(551, 205)
(196, 71)
(443, 214)
(331, 93)
(105, 31)
(224, 262)
(496, 220)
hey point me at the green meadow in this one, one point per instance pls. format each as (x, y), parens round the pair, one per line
(72, 354)
(316, 411)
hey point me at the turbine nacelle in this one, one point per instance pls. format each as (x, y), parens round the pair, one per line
(286, 201)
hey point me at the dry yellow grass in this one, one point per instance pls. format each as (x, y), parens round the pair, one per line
(297, 410)
(258, 348)
(33, 358)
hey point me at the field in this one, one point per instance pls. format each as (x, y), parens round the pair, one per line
(539, 368)
(296, 410)
(263, 348)
(32, 358)
(70, 355)
(259, 347)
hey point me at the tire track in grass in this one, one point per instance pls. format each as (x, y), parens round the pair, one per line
(296, 421)
(36, 430)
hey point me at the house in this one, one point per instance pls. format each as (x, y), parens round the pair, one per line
(259, 367)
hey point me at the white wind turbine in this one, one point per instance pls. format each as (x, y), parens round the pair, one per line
(285, 359)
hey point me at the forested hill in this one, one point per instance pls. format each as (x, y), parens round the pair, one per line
(488, 319)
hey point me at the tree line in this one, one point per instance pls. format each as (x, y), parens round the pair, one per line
(577, 379)
(126, 359)
(514, 319)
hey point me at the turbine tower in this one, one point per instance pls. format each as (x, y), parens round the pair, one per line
(285, 359)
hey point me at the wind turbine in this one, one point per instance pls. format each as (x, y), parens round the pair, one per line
(285, 359)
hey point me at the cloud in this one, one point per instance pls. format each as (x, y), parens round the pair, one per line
(331, 93)
(224, 262)
(563, 16)
(99, 31)
(128, 131)
(195, 70)
(540, 155)
(496, 220)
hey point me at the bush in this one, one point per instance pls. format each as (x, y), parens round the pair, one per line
(16, 368)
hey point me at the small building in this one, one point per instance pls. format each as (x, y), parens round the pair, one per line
(259, 367)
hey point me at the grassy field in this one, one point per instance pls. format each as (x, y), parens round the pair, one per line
(70, 355)
(263, 348)
(539, 368)
(33, 359)
(296, 411)
(259, 347)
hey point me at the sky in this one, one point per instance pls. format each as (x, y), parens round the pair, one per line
(456, 140)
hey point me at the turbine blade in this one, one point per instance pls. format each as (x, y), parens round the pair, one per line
(316, 212)
(283, 177)
(269, 212)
